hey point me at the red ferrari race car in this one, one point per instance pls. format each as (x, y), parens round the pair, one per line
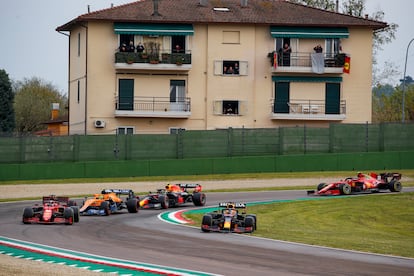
(53, 210)
(229, 219)
(174, 195)
(363, 183)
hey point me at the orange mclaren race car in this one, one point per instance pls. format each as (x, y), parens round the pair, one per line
(229, 219)
(174, 195)
(109, 201)
(363, 183)
(53, 210)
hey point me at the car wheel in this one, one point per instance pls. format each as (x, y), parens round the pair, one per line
(345, 189)
(68, 215)
(75, 213)
(105, 206)
(249, 222)
(72, 203)
(199, 199)
(132, 205)
(321, 186)
(164, 200)
(395, 186)
(27, 214)
(208, 221)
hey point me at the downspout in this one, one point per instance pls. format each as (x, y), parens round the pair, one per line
(68, 78)
(86, 77)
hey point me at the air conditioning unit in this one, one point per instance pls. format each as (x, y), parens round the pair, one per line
(99, 123)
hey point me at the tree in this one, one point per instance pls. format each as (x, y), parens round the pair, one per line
(7, 122)
(33, 104)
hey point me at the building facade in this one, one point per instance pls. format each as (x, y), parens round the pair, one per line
(216, 64)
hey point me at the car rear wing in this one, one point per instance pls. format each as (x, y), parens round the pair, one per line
(197, 187)
(61, 199)
(118, 191)
(236, 205)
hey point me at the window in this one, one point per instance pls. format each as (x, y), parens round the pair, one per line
(178, 44)
(78, 99)
(79, 41)
(229, 107)
(230, 68)
(125, 130)
(176, 130)
(332, 46)
(124, 40)
(177, 95)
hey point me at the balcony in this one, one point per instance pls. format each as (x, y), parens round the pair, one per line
(155, 107)
(308, 110)
(305, 62)
(156, 61)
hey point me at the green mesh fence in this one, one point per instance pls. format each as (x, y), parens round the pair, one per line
(337, 138)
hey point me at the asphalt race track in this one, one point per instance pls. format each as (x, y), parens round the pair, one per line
(142, 237)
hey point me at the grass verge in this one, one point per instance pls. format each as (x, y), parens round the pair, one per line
(380, 223)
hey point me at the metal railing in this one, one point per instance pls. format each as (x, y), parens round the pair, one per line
(153, 104)
(304, 59)
(161, 57)
(299, 106)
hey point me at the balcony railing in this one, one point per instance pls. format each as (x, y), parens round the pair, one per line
(153, 58)
(152, 107)
(302, 62)
(309, 110)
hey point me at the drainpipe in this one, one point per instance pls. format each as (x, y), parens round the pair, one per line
(86, 79)
(68, 77)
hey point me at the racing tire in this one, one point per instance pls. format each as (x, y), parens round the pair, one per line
(27, 214)
(72, 203)
(164, 201)
(75, 213)
(207, 220)
(395, 186)
(345, 189)
(199, 199)
(132, 205)
(321, 186)
(69, 216)
(249, 222)
(105, 206)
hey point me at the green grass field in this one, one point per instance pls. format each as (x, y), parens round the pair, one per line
(378, 223)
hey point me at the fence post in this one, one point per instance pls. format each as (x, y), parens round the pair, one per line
(366, 137)
(381, 137)
(304, 138)
(22, 149)
(331, 137)
(75, 147)
(229, 141)
(281, 142)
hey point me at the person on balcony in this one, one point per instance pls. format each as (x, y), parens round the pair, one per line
(318, 49)
(285, 54)
(131, 47)
(140, 48)
(123, 47)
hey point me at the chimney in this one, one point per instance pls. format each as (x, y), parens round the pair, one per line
(204, 3)
(243, 3)
(155, 13)
(55, 111)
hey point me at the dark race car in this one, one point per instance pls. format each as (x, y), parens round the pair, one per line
(110, 201)
(174, 195)
(363, 183)
(53, 210)
(231, 218)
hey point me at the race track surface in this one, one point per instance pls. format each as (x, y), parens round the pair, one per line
(142, 237)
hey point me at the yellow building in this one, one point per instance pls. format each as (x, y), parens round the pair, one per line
(216, 64)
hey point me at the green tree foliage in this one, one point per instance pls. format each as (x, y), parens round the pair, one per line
(7, 122)
(33, 104)
(387, 107)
